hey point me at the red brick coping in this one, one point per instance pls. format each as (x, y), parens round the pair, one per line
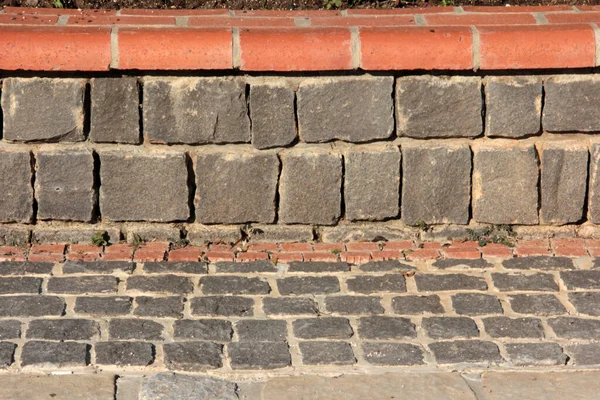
(446, 38)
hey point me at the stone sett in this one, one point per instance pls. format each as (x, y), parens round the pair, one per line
(124, 353)
(289, 306)
(160, 284)
(515, 328)
(431, 283)
(63, 329)
(31, 306)
(538, 304)
(159, 306)
(327, 353)
(233, 285)
(587, 303)
(584, 353)
(465, 351)
(213, 330)
(259, 266)
(527, 354)
(589, 279)
(381, 353)
(386, 266)
(97, 267)
(575, 328)
(261, 330)
(83, 285)
(137, 329)
(184, 267)
(458, 263)
(10, 329)
(57, 354)
(260, 355)
(20, 285)
(322, 328)
(193, 356)
(7, 351)
(272, 114)
(367, 284)
(513, 282)
(383, 328)
(16, 203)
(570, 103)
(348, 305)
(412, 305)
(225, 306)
(8, 268)
(103, 306)
(298, 285)
(538, 262)
(450, 327)
(476, 304)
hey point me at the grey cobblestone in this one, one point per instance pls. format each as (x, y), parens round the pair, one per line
(537, 282)
(538, 262)
(245, 267)
(450, 263)
(581, 279)
(575, 328)
(349, 305)
(55, 353)
(214, 330)
(8, 268)
(261, 331)
(7, 351)
(584, 353)
(373, 284)
(536, 354)
(225, 306)
(476, 304)
(386, 266)
(538, 304)
(83, 285)
(327, 353)
(417, 305)
(322, 328)
(514, 328)
(233, 285)
(140, 329)
(450, 327)
(379, 353)
(10, 329)
(159, 307)
(380, 327)
(465, 351)
(105, 306)
(124, 353)
(289, 306)
(160, 284)
(297, 285)
(587, 303)
(432, 283)
(316, 267)
(186, 267)
(97, 267)
(265, 355)
(193, 356)
(20, 285)
(62, 329)
(31, 306)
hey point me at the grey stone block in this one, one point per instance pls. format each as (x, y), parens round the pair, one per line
(434, 283)
(318, 266)
(151, 233)
(505, 185)
(272, 114)
(570, 103)
(203, 234)
(436, 184)
(10, 329)
(225, 306)
(476, 304)
(144, 187)
(98, 267)
(385, 266)
(8, 268)
(322, 328)
(16, 203)
(594, 184)
(162, 386)
(20, 285)
(214, 330)
(412, 305)
(83, 284)
(43, 109)
(457, 263)
(366, 284)
(380, 353)
(183, 267)
(587, 303)
(171, 307)
(115, 110)
(352, 305)
(327, 353)
(465, 351)
(261, 330)
(195, 110)
(513, 106)
(289, 306)
(57, 354)
(31, 306)
(563, 183)
(7, 351)
(539, 262)
(575, 328)
(14, 235)
(523, 354)
(384, 328)
(193, 356)
(589, 279)
(105, 306)
(372, 184)
(259, 266)
(137, 329)
(353, 109)
(515, 328)
(310, 188)
(366, 232)
(64, 185)
(423, 111)
(536, 304)
(236, 187)
(450, 327)
(160, 284)
(69, 234)
(63, 329)
(297, 285)
(124, 353)
(584, 353)
(234, 285)
(514, 282)
(260, 355)
(278, 233)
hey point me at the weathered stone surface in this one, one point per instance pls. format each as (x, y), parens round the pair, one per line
(260, 355)
(9, 268)
(144, 187)
(536, 353)
(328, 109)
(97, 267)
(234, 285)
(505, 185)
(63, 329)
(461, 351)
(14, 235)
(165, 386)
(422, 109)
(512, 282)
(327, 353)
(140, 329)
(59, 387)
(436, 184)
(261, 330)
(434, 283)
(272, 114)
(584, 353)
(214, 330)
(106, 306)
(570, 103)
(124, 353)
(539, 262)
(195, 110)
(538, 304)
(366, 284)
(515, 328)
(322, 328)
(57, 354)
(43, 109)
(151, 233)
(7, 351)
(581, 279)
(457, 263)
(193, 356)
(318, 266)
(310, 188)
(388, 265)
(203, 234)
(160, 284)
(64, 185)
(594, 185)
(10, 329)
(367, 232)
(182, 267)
(289, 306)
(476, 304)
(372, 184)
(115, 110)
(83, 285)
(383, 328)
(31, 306)
(20, 285)
(580, 385)
(223, 306)
(258, 266)
(69, 234)
(381, 353)
(16, 202)
(587, 303)
(277, 233)
(450, 327)
(296, 285)
(411, 305)
(236, 187)
(575, 328)
(513, 105)
(347, 305)
(563, 182)
(159, 306)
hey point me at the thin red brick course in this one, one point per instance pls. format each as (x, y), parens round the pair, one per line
(403, 245)
(251, 256)
(23, 19)
(355, 257)
(294, 247)
(216, 256)
(286, 257)
(362, 246)
(423, 254)
(480, 19)
(186, 254)
(240, 22)
(174, 13)
(387, 255)
(379, 21)
(320, 256)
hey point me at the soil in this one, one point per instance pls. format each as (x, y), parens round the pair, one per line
(281, 4)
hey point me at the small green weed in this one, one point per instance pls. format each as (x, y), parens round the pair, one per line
(57, 4)
(137, 240)
(336, 252)
(499, 234)
(422, 225)
(446, 3)
(100, 239)
(329, 4)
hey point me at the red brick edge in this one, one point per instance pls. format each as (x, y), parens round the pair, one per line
(353, 253)
(447, 38)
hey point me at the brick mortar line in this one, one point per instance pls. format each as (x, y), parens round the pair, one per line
(114, 48)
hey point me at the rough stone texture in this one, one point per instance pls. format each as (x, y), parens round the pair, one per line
(115, 110)
(539, 262)
(272, 114)
(296, 285)
(384, 266)
(225, 306)
(379, 353)
(233, 285)
(20, 285)
(366, 284)
(347, 305)
(261, 355)
(31, 306)
(59, 387)
(353, 109)
(140, 329)
(476, 304)
(261, 331)
(64, 185)
(575, 328)
(563, 182)
(367, 232)
(541, 385)
(63, 329)
(465, 351)
(159, 306)
(536, 354)
(83, 285)
(57, 354)
(184, 267)
(587, 303)
(7, 351)
(317, 266)
(278, 233)
(214, 330)
(124, 353)
(584, 353)
(14, 235)
(160, 284)
(236, 187)
(151, 233)
(382, 328)
(10, 329)
(43, 109)
(594, 185)
(70, 234)
(436, 184)
(322, 328)
(144, 187)
(513, 106)
(411, 305)
(98, 267)
(16, 202)
(505, 185)
(193, 356)
(163, 386)
(8, 268)
(537, 282)
(538, 304)
(310, 188)
(515, 328)
(570, 103)
(289, 306)
(106, 306)
(372, 184)
(450, 327)
(457, 263)
(327, 353)
(195, 110)
(581, 279)
(259, 266)
(202, 234)
(423, 106)
(433, 283)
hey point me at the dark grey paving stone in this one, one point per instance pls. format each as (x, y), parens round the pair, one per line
(435, 283)
(538, 262)
(8, 268)
(386, 266)
(366, 284)
(234, 285)
(245, 267)
(298, 285)
(104, 306)
(83, 285)
(450, 327)
(584, 353)
(537, 304)
(10, 329)
(476, 304)
(525, 354)
(316, 266)
(261, 330)
(124, 353)
(137, 329)
(515, 328)
(160, 284)
(97, 267)
(31, 306)
(7, 353)
(478, 263)
(412, 305)
(225, 306)
(259, 355)
(575, 328)
(587, 303)
(55, 353)
(322, 328)
(380, 327)
(193, 356)
(327, 353)
(380, 353)
(180, 267)
(62, 329)
(289, 306)
(214, 330)
(171, 306)
(465, 351)
(518, 282)
(581, 279)
(353, 305)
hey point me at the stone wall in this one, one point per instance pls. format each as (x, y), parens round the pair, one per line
(338, 157)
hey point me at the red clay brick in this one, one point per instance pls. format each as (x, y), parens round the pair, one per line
(163, 246)
(221, 247)
(287, 13)
(185, 254)
(117, 256)
(568, 242)
(355, 257)
(175, 49)
(46, 257)
(149, 255)
(251, 256)
(23, 19)
(286, 257)
(216, 256)
(48, 248)
(416, 48)
(423, 254)
(56, 11)
(84, 248)
(12, 258)
(403, 245)
(206, 22)
(295, 247)
(574, 18)
(532, 251)
(263, 247)
(588, 8)
(534, 243)
(362, 246)
(499, 252)
(301, 49)
(466, 244)
(11, 250)
(401, 11)
(570, 252)
(320, 256)
(117, 20)
(513, 9)
(373, 21)
(432, 245)
(118, 248)
(83, 256)
(594, 251)
(329, 246)
(174, 13)
(42, 48)
(543, 46)
(592, 243)
(461, 253)
(387, 255)
(480, 19)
